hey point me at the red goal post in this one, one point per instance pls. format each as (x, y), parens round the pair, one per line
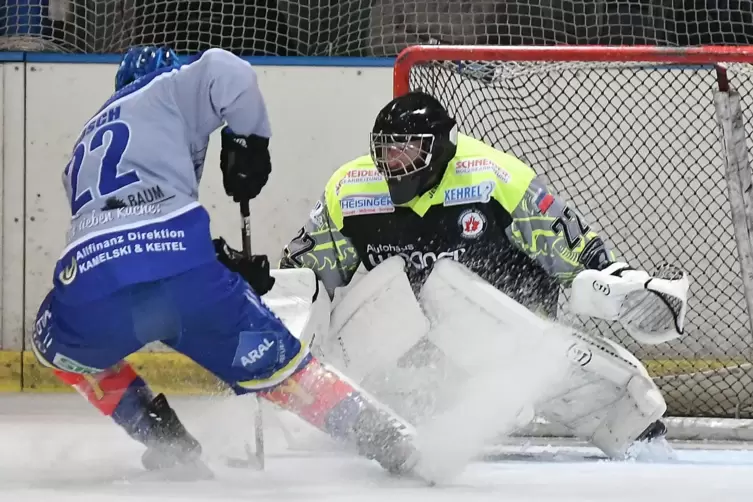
(654, 145)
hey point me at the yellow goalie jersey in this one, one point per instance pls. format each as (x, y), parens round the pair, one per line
(488, 212)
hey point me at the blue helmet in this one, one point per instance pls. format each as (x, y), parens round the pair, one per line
(143, 60)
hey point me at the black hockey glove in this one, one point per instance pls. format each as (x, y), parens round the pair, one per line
(245, 164)
(255, 270)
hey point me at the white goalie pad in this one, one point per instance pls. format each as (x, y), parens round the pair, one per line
(651, 308)
(484, 332)
(610, 400)
(375, 323)
(468, 315)
(300, 302)
(604, 395)
(590, 385)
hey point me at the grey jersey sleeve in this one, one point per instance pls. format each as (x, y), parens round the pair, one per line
(554, 234)
(221, 87)
(320, 246)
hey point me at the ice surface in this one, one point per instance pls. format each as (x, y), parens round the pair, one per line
(56, 448)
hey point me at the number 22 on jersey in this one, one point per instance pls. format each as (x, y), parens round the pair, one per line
(93, 169)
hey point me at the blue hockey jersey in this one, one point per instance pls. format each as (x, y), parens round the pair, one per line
(133, 178)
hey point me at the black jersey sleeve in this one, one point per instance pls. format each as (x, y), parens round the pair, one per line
(320, 246)
(556, 235)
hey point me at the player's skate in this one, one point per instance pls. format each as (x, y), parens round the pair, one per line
(169, 445)
(656, 430)
(652, 444)
(380, 437)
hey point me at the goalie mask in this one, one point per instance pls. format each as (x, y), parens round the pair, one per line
(412, 142)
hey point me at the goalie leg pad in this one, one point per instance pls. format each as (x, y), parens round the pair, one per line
(608, 398)
(376, 323)
(604, 394)
(481, 330)
(301, 303)
(469, 317)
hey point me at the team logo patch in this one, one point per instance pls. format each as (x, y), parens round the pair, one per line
(579, 354)
(259, 351)
(68, 273)
(472, 223)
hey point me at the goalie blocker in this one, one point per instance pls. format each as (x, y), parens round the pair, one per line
(605, 396)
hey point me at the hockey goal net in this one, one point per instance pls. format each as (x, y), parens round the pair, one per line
(652, 145)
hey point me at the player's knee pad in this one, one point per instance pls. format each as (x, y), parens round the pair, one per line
(267, 352)
(608, 397)
(375, 323)
(118, 391)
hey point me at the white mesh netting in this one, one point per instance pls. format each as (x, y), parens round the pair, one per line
(361, 27)
(637, 148)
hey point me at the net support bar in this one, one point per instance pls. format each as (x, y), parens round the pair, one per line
(678, 429)
(729, 114)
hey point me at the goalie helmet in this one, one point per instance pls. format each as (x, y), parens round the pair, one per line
(412, 142)
(140, 61)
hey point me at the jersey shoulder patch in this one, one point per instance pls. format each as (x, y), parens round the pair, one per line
(479, 173)
(475, 157)
(360, 171)
(357, 188)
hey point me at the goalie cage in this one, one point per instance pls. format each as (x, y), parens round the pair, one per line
(652, 144)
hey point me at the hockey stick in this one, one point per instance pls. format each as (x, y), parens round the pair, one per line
(258, 424)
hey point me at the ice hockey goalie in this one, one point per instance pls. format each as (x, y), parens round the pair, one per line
(466, 252)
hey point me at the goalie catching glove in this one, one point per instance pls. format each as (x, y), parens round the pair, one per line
(651, 308)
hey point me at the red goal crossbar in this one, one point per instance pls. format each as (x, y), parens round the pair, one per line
(704, 55)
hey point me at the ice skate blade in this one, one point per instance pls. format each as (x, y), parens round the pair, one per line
(252, 460)
(195, 470)
(242, 463)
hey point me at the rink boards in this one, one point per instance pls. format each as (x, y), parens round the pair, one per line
(318, 126)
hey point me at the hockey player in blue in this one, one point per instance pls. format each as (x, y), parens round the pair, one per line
(140, 265)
